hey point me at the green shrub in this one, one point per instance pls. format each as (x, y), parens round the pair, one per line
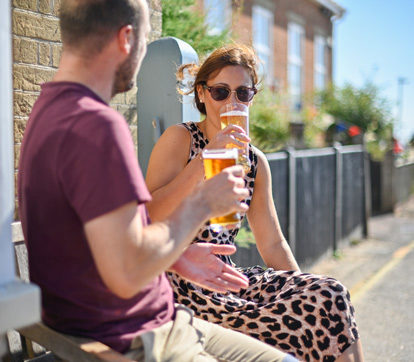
(316, 123)
(364, 107)
(245, 236)
(269, 121)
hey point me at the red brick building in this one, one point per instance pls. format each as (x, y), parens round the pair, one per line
(293, 39)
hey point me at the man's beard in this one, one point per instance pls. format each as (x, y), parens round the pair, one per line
(125, 74)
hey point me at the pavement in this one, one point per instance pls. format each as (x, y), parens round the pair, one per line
(378, 271)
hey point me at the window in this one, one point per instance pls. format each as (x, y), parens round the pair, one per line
(218, 15)
(263, 42)
(319, 66)
(295, 64)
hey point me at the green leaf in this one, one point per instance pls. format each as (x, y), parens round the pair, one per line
(180, 19)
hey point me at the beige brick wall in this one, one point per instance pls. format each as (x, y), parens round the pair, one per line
(36, 53)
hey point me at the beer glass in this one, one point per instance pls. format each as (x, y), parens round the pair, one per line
(214, 162)
(237, 114)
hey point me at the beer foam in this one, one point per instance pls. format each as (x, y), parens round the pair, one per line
(226, 153)
(234, 113)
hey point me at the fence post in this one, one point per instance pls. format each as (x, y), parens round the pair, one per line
(338, 195)
(366, 194)
(292, 199)
(387, 182)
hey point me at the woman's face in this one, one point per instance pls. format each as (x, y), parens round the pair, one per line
(231, 76)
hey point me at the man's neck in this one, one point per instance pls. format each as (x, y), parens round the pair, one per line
(96, 74)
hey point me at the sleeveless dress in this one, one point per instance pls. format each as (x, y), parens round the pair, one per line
(306, 315)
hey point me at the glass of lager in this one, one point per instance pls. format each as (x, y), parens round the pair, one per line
(214, 162)
(237, 114)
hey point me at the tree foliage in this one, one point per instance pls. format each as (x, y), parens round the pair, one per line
(180, 20)
(269, 126)
(364, 107)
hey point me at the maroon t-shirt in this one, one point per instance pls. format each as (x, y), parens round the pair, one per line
(78, 162)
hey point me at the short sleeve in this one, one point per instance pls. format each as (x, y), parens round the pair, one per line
(98, 168)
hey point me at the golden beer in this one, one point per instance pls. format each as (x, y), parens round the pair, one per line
(214, 162)
(237, 118)
(241, 119)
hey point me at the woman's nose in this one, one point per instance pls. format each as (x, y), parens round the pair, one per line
(233, 97)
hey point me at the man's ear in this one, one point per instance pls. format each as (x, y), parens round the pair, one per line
(125, 39)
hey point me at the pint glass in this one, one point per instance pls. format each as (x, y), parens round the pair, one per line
(214, 162)
(237, 114)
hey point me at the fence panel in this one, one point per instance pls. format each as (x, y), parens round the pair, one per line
(404, 182)
(328, 198)
(352, 191)
(279, 167)
(375, 170)
(315, 205)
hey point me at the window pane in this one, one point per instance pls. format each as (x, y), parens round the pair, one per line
(217, 12)
(295, 76)
(296, 102)
(264, 65)
(320, 51)
(319, 80)
(262, 40)
(295, 41)
(261, 26)
(295, 59)
(319, 63)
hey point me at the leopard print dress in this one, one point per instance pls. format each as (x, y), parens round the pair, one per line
(308, 316)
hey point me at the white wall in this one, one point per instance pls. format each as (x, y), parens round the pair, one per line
(6, 146)
(19, 301)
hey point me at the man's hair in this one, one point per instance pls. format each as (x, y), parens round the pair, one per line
(89, 24)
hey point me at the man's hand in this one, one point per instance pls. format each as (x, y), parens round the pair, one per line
(200, 265)
(223, 193)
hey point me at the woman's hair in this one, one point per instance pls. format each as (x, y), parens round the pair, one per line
(233, 54)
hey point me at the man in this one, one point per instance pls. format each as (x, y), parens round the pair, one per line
(98, 261)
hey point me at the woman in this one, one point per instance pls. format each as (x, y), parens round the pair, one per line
(306, 315)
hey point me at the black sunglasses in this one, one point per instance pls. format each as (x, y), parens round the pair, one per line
(220, 92)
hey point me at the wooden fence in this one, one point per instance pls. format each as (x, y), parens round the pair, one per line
(404, 182)
(321, 199)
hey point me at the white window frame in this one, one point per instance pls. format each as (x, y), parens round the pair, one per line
(319, 69)
(261, 14)
(297, 61)
(217, 25)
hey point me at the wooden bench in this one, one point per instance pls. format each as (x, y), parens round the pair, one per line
(61, 346)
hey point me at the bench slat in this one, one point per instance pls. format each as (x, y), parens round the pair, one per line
(71, 348)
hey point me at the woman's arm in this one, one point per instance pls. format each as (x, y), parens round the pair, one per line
(169, 178)
(264, 222)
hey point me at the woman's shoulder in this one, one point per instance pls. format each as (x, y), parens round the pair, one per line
(174, 139)
(263, 167)
(258, 154)
(177, 131)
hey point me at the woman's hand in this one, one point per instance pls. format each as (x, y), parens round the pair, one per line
(200, 265)
(232, 134)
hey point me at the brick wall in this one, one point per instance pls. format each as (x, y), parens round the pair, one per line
(314, 20)
(36, 53)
